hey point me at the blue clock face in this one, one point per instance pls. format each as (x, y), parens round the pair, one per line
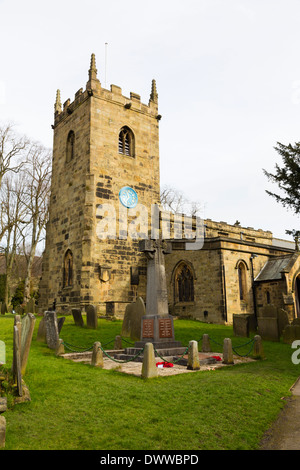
(128, 197)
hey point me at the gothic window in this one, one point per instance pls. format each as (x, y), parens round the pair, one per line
(68, 269)
(184, 284)
(70, 146)
(126, 142)
(242, 280)
(268, 295)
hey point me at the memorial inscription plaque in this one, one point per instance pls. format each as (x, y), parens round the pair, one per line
(165, 328)
(148, 328)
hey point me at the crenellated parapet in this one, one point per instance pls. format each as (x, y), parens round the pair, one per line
(114, 95)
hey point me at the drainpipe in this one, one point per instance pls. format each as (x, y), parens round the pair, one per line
(253, 286)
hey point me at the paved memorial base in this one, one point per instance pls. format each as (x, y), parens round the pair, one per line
(135, 368)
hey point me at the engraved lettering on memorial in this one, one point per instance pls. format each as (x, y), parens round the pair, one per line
(148, 328)
(165, 328)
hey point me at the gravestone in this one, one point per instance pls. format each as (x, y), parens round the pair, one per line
(2, 353)
(241, 325)
(60, 322)
(18, 324)
(91, 317)
(283, 320)
(76, 312)
(267, 328)
(16, 366)
(27, 328)
(41, 334)
(156, 325)
(131, 326)
(291, 333)
(51, 328)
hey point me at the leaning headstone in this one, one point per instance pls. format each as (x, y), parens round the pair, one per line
(52, 336)
(193, 356)
(149, 368)
(97, 355)
(205, 343)
(60, 322)
(132, 319)
(16, 366)
(60, 348)
(28, 323)
(41, 334)
(91, 317)
(76, 312)
(227, 351)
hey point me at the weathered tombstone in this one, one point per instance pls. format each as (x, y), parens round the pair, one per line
(268, 328)
(193, 356)
(41, 334)
(51, 327)
(91, 317)
(132, 319)
(283, 320)
(157, 325)
(16, 367)
(269, 311)
(291, 333)
(28, 323)
(149, 368)
(97, 355)
(258, 352)
(206, 343)
(18, 324)
(76, 312)
(2, 353)
(241, 325)
(60, 348)
(118, 342)
(227, 351)
(60, 322)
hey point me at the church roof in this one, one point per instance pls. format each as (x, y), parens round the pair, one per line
(274, 268)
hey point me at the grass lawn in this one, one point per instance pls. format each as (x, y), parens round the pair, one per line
(79, 407)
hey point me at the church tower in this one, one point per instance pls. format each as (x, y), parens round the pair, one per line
(103, 143)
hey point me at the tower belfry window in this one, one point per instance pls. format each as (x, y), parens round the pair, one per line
(126, 142)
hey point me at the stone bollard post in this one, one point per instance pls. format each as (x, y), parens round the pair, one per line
(60, 348)
(258, 351)
(206, 344)
(97, 355)
(227, 352)
(118, 342)
(193, 356)
(149, 368)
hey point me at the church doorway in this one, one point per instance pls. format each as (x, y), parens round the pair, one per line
(297, 295)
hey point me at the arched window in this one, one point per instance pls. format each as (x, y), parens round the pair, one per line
(184, 283)
(68, 269)
(126, 142)
(70, 146)
(242, 280)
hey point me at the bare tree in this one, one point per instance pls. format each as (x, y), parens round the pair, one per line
(13, 150)
(175, 201)
(37, 192)
(13, 212)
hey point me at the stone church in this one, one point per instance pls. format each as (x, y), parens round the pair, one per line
(105, 146)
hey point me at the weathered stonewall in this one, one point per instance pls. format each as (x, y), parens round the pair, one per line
(149, 368)
(28, 323)
(193, 356)
(227, 351)
(52, 335)
(76, 312)
(97, 355)
(91, 317)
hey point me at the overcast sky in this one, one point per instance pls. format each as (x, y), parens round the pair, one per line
(228, 80)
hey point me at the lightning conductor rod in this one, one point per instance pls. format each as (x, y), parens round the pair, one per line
(106, 44)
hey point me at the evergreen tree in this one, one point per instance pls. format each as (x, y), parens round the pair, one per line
(287, 177)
